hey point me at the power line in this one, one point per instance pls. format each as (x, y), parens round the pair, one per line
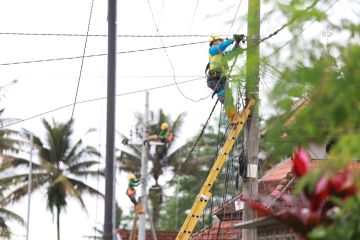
(297, 35)
(155, 48)
(95, 99)
(82, 63)
(169, 59)
(232, 23)
(289, 22)
(101, 54)
(194, 14)
(105, 35)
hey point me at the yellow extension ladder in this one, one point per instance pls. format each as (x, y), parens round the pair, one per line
(205, 194)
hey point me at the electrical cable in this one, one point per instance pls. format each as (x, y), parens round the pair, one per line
(194, 14)
(161, 11)
(289, 22)
(101, 54)
(105, 35)
(232, 23)
(92, 100)
(169, 59)
(157, 48)
(82, 64)
(212, 163)
(298, 34)
(178, 171)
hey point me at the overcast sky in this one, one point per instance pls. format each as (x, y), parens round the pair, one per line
(43, 86)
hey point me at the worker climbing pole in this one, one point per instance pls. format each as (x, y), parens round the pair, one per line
(218, 71)
(131, 193)
(205, 192)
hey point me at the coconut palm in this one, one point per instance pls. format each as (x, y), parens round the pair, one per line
(130, 158)
(6, 215)
(61, 169)
(9, 144)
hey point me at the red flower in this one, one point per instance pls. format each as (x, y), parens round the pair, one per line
(321, 193)
(341, 185)
(301, 162)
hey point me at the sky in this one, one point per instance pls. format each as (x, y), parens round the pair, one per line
(30, 49)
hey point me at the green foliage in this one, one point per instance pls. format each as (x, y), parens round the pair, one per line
(164, 158)
(193, 176)
(334, 104)
(346, 224)
(61, 169)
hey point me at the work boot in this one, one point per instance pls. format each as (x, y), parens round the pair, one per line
(234, 119)
(232, 116)
(139, 209)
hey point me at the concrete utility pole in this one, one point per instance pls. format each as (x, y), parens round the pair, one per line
(109, 233)
(251, 136)
(144, 159)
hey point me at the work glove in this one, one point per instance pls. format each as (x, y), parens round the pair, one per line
(238, 37)
(153, 137)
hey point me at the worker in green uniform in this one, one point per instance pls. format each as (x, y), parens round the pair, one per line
(131, 192)
(165, 135)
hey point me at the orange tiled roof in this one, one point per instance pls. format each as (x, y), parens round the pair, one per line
(161, 235)
(219, 230)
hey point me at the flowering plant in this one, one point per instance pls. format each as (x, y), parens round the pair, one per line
(316, 203)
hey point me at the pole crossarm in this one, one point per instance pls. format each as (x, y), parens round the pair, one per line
(205, 194)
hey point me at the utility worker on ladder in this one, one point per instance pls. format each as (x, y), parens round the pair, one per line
(218, 69)
(131, 192)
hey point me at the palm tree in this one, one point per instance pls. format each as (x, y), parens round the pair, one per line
(61, 169)
(130, 158)
(9, 144)
(6, 215)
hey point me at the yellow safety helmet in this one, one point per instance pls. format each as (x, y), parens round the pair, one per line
(132, 176)
(164, 126)
(214, 38)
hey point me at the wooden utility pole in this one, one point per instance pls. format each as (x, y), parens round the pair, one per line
(144, 159)
(109, 232)
(251, 134)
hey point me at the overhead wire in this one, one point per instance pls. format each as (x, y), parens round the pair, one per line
(157, 48)
(296, 35)
(170, 61)
(101, 54)
(161, 11)
(194, 14)
(233, 21)
(82, 64)
(212, 163)
(163, 47)
(92, 100)
(180, 168)
(105, 35)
